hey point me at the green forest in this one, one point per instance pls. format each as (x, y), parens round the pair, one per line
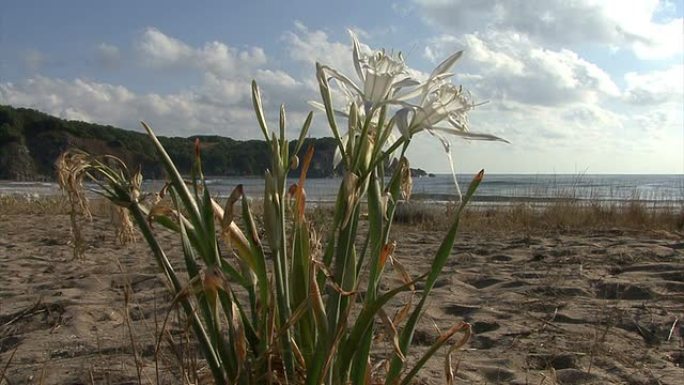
(30, 142)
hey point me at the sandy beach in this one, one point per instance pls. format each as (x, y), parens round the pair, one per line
(554, 307)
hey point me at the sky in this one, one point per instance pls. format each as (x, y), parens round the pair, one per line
(584, 86)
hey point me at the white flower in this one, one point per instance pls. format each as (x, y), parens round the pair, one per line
(385, 81)
(381, 74)
(447, 104)
(435, 105)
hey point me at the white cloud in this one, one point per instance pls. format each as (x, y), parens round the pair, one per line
(544, 98)
(590, 116)
(660, 40)
(108, 55)
(537, 127)
(526, 57)
(655, 87)
(557, 23)
(222, 91)
(159, 50)
(219, 104)
(184, 113)
(309, 47)
(276, 78)
(503, 66)
(548, 101)
(653, 123)
(78, 99)
(220, 59)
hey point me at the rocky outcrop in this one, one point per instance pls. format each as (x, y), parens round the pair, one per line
(16, 163)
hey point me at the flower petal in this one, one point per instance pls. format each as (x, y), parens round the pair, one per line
(468, 134)
(356, 55)
(447, 150)
(446, 64)
(459, 122)
(335, 74)
(406, 82)
(377, 86)
(321, 107)
(402, 119)
(425, 88)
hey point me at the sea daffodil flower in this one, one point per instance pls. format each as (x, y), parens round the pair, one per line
(381, 76)
(434, 105)
(447, 103)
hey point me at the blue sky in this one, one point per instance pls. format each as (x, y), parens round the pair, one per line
(584, 86)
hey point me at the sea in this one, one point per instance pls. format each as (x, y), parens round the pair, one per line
(495, 188)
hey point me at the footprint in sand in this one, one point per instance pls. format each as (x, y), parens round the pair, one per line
(463, 311)
(622, 290)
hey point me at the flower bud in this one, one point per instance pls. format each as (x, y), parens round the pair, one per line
(294, 162)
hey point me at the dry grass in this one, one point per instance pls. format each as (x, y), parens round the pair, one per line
(61, 205)
(123, 225)
(48, 205)
(575, 216)
(561, 215)
(28, 204)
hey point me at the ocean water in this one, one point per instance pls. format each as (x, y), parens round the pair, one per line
(495, 188)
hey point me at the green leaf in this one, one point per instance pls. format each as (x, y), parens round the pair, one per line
(365, 319)
(433, 349)
(174, 174)
(438, 263)
(259, 110)
(303, 132)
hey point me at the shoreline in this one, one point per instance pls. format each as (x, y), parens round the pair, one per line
(49, 190)
(534, 189)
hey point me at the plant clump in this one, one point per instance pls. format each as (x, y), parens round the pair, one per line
(286, 304)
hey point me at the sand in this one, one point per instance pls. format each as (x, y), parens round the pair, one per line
(587, 307)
